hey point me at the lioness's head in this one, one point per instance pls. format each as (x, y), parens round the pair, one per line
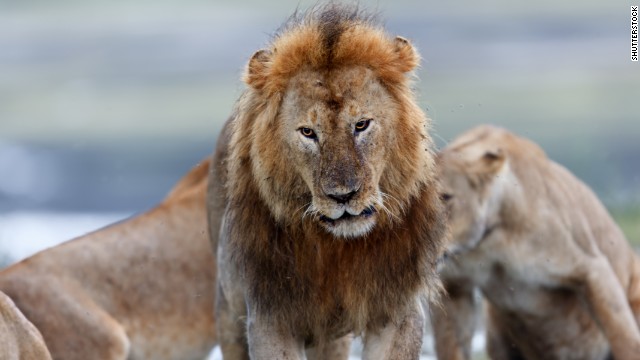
(474, 172)
(330, 126)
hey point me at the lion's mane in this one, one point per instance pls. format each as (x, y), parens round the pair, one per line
(340, 285)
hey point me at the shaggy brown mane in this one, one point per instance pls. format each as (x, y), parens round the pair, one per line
(327, 37)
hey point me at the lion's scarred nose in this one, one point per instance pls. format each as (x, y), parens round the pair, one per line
(342, 198)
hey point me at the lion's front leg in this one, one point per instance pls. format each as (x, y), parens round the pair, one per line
(230, 306)
(270, 340)
(400, 341)
(230, 326)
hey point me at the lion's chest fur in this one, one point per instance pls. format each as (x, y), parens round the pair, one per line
(322, 285)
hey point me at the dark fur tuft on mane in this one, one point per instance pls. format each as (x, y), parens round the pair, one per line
(327, 37)
(332, 19)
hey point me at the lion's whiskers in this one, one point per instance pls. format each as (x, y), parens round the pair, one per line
(386, 197)
(310, 211)
(385, 209)
(297, 211)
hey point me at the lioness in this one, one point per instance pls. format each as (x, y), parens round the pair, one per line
(559, 278)
(19, 339)
(332, 218)
(139, 289)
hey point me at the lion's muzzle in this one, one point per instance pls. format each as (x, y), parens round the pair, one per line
(342, 198)
(349, 224)
(347, 216)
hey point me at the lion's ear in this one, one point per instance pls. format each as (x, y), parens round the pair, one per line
(493, 160)
(408, 58)
(258, 69)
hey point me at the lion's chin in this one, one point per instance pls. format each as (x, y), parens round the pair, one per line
(351, 227)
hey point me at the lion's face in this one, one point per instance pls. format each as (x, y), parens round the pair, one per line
(331, 129)
(471, 182)
(337, 127)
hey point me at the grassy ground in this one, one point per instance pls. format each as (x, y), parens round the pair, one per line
(629, 221)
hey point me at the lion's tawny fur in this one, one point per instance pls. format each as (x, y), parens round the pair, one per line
(328, 69)
(138, 289)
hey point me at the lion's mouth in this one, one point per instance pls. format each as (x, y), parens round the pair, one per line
(346, 216)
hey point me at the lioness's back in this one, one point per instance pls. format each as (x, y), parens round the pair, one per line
(130, 287)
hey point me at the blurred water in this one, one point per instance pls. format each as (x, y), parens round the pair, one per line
(123, 176)
(22, 234)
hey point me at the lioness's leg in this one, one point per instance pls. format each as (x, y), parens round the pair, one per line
(634, 289)
(230, 328)
(608, 302)
(72, 325)
(499, 347)
(19, 339)
(454, 320)
(397, 341)
(334, 350)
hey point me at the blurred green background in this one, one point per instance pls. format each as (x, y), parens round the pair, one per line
(105, 104)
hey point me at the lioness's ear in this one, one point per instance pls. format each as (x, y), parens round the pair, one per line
(258, 69)
(408, 58)
(493, 160)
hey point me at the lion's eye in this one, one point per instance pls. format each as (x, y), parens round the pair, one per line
(308, 133)
(446, 197)
(362, 125)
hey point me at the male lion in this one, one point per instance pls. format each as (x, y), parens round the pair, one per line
(19, 339)
(560, 279)
(139, 289)
(332, 218)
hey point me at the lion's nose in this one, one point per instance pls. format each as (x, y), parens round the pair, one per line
(342, 198)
